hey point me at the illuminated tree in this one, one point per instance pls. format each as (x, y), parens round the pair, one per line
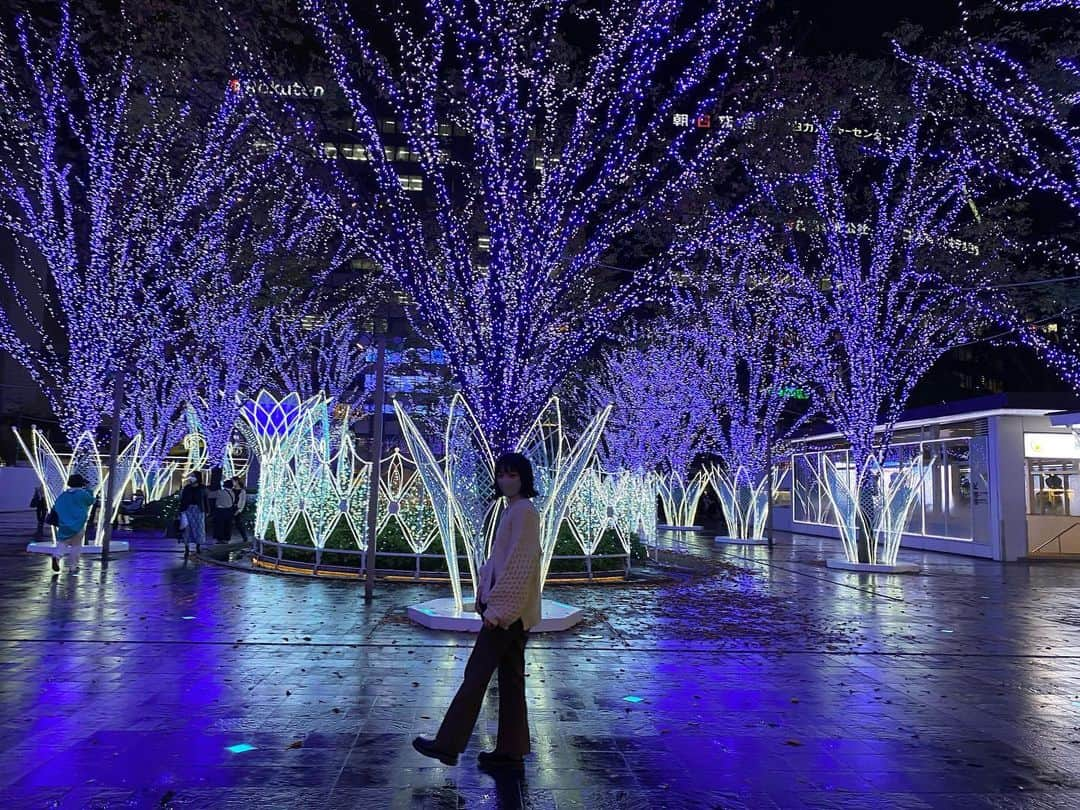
(228, 307)
(317, 345)
(154, 398)
(743, 326)
(535, 168)
(740, 324)
(108, 187)
(1019, 79)
(660, 414)
(885, 284)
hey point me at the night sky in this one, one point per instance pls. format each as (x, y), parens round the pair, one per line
(858, 26)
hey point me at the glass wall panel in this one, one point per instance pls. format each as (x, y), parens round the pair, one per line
(1052, 486)
(943, 506)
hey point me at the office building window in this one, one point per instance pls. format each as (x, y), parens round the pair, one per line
(411, 182)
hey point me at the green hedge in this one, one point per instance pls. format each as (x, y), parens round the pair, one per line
(391, 539)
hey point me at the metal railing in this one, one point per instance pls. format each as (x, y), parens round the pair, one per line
(1056, 538)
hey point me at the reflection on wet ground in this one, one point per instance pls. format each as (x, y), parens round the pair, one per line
(759, 679)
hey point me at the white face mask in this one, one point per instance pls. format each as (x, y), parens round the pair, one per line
(191, 479)
(509, 485)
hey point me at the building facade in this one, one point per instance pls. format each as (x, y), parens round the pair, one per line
(1001, 480)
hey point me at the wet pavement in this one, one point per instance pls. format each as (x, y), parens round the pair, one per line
(742, 677)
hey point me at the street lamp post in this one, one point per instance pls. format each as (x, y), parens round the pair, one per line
(376, 462)
(114, 451)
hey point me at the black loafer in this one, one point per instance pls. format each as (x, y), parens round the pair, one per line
(55, 564)
(429, 749)
(490, 760)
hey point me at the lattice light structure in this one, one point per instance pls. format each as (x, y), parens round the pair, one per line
(558, 466)
(404, 501)
(622, 501)
(679, 496)
(591, 511)
(461, 488)
(876, 501)
(86, 460)
(154, 478)
(745, 502)
(635, 506)
(306, 476)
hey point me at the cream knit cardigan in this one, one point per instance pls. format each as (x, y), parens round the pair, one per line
(510, 579)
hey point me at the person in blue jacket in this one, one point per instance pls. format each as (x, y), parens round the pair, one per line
(72, 507)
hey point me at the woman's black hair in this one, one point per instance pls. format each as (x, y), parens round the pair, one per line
(515, 462)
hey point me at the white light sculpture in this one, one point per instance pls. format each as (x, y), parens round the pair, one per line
(635, 506)
(680, 497)
(156, 481)
(304, 477)
(86, 460)
(461, 488)
(876, 501)
(558, 467)
(592, 510)
(745, 502)
(622, 501)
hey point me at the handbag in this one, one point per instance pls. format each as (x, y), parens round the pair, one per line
(52, 518)
(183, 521)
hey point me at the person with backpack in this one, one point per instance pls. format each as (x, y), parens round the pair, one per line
(71, 511)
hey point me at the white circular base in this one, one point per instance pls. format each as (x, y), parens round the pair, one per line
(441, 614)
(867, 568)
(46, 547)
(664, 527)
(741, 541)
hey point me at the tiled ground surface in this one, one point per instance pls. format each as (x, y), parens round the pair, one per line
(767, 681)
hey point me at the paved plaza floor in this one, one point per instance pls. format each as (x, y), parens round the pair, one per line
(743, 678)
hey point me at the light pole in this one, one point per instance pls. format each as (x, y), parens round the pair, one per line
(114, 451)
(376, 460)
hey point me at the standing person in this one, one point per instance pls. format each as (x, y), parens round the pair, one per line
(72, 507)
(508, 600)
(194, 507)
(241, 502)
(37, 503)
(224, 506)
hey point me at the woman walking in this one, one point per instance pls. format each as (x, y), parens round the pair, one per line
(508, 600)
(193, 509)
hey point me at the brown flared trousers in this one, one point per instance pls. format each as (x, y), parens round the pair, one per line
(495, 649)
